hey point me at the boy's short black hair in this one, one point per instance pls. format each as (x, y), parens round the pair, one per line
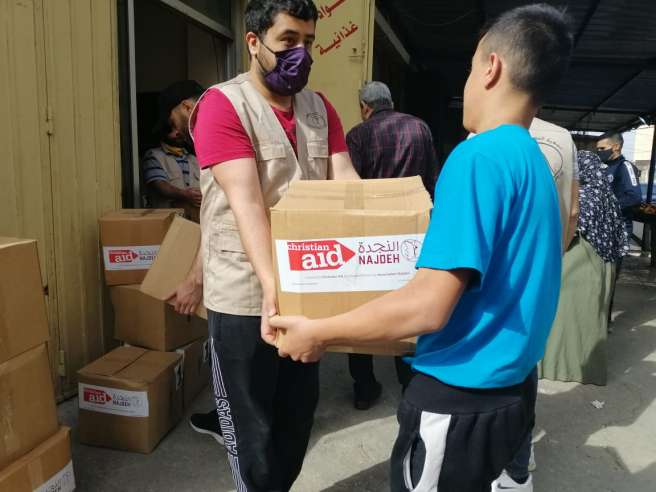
(537, 42)
(614, 137)
(260, 14)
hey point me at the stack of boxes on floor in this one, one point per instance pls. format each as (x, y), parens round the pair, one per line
(131, 397)
(35, 452)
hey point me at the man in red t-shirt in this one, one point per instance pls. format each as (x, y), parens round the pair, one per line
(265, 404)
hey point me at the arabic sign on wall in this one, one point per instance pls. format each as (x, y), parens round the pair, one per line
(342, 54)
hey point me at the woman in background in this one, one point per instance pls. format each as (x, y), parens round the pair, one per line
(576, 350)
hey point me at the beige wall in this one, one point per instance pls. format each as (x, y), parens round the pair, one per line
(340, 70)
(61, 146)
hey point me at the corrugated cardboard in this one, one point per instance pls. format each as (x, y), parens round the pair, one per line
(130, 241)
(176, 257)
(130, 398)
(150, 323)
(196, 368)
(340, 244)
(47, 468)
(28, 414)
(23, 321)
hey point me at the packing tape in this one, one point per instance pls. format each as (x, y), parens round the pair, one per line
(334, 195)
(353, 198)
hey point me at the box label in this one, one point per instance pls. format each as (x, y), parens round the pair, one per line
(351, 264)
(178, 372)
(62, 481)
(129, 257)
(114, 401)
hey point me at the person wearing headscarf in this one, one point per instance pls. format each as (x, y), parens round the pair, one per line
(576, 349)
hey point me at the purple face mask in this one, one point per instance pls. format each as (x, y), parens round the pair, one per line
(291, 73)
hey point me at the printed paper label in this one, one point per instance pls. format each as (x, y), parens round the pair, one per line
(62, 481)
(179, 375)
(351, 264)
(129, 257)
(112, 400)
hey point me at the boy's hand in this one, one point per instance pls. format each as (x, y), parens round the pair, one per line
(297, 338)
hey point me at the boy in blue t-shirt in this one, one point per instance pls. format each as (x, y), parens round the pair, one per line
(488, 279)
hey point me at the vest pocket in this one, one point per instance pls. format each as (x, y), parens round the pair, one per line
(268, 151)
(318, 156)
(229, 241)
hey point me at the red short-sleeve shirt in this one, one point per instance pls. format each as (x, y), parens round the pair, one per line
(219, 135)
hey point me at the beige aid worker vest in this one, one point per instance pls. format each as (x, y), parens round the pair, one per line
(174, 173)
(558, 147)
(230, 284)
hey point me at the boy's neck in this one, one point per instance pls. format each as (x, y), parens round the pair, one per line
(277, 101)
(507, 110)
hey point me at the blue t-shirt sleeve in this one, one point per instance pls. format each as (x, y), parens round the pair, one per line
(471, 198)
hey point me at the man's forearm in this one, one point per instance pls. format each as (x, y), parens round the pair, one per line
(166, 189)
(195, 274)
(341, 167)
(422, 306)
(255, 232)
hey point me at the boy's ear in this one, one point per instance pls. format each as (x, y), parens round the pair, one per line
(493, 70)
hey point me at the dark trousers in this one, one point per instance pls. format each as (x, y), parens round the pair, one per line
(518, 467)
(618, 269)
(361, 367)
(458, 439)
(265, 404)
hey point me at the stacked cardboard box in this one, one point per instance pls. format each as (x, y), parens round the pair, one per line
(150, 323)
(175, 259)
(130, 240)
(131, 397)
(33, 451)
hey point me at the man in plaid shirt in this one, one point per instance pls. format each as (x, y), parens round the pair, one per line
(387, 144)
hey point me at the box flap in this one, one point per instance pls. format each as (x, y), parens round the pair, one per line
(114, 362)
(174, 260)
(398, 194)
(149, 366)
(39, 465)
(140, 214)
(12, 241)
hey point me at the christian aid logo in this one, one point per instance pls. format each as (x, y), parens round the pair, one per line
(98, 397)
(122, 256)
(317, 255)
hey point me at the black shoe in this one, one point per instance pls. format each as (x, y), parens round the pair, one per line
(207, 423)
(366, 396)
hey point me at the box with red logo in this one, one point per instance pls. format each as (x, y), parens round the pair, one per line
(130, 241)
(142, 320)
(340, 244)
(47, 468)
(196, 368)
(23, 321)
(130, 398)
(28, 415)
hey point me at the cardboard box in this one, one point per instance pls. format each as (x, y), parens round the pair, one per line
(28, 415)
(130, 241)
(196, 368)
(47, 468)
(340, 244)
(176, 257)
(23, 321)
(130, 398)
(150, 323)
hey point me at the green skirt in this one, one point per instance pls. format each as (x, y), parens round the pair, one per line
(576, 349)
